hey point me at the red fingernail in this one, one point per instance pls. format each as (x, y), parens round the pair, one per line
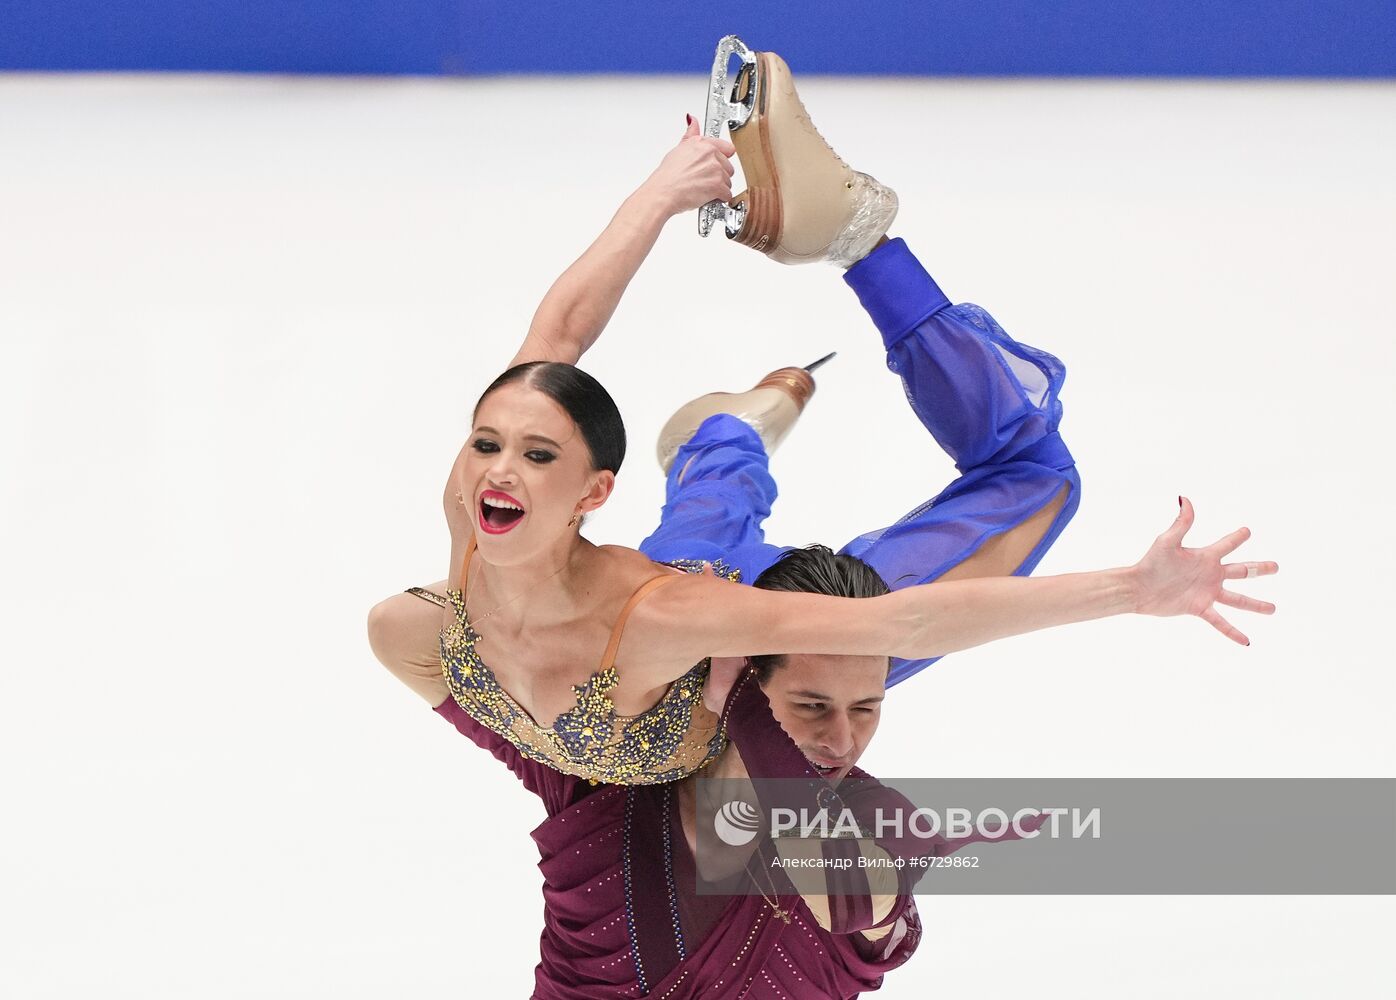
(689, 119)
(1180, 501)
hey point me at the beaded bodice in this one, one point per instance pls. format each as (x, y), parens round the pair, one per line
(675, 738)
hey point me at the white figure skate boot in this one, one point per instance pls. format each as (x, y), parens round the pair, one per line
(802, 203)
(770, 408)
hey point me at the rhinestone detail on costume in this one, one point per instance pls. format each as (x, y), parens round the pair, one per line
(675, 738)
(674, 918)
(630, 895)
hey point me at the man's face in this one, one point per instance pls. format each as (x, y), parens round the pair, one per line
(830, 706)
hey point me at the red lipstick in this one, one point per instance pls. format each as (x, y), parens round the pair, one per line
(500, 514)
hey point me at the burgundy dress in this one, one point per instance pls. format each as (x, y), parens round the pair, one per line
(622, 920)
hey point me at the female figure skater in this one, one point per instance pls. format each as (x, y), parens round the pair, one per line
(622, 916)
(614, 649)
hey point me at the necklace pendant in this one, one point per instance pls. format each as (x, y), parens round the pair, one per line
(782, 914)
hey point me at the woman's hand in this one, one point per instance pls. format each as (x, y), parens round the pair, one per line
(722, 674)
(693, 173)
(1173, 580)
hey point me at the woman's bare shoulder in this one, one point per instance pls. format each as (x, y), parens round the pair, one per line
(621, 572)
(630, 564)
(402, 632)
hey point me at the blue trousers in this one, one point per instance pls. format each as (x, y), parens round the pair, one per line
(990, 402)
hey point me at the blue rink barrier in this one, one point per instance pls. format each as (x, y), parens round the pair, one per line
(1305, 38)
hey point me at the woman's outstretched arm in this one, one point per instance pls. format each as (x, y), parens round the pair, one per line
(580, 303)
(700, 617)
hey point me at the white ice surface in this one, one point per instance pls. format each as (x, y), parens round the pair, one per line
(243, 321)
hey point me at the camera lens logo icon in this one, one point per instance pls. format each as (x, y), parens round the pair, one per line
(736, 823)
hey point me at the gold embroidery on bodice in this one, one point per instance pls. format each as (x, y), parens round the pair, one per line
(675, 738)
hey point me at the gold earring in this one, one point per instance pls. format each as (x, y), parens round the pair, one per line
(576, 519)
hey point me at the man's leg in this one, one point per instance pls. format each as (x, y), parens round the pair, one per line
(992, 404)
(989, 401)
(718, 493)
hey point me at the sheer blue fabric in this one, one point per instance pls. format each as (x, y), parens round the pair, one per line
(989, 401)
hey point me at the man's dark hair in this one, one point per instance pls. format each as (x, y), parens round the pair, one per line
(815, 569)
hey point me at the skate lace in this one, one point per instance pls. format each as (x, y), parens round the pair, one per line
(804, 114)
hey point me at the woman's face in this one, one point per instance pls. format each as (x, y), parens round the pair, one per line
(527, 472)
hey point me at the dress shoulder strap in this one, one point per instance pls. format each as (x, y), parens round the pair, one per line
(428, 595)
(465, 565)
(643, 591)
